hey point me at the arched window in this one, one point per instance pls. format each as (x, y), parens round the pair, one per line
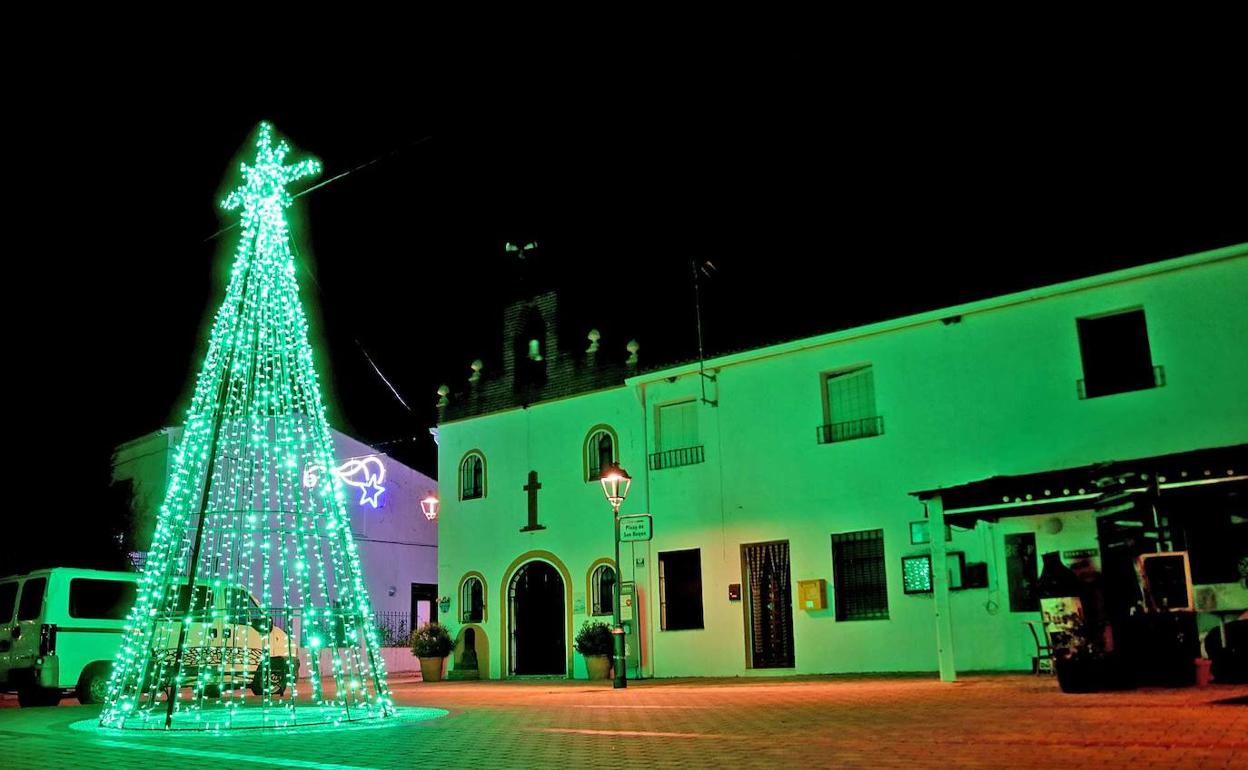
(472, 601)
(600, 452)
(472, 476)
(602, 585)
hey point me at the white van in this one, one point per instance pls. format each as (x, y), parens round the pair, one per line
(60, 629)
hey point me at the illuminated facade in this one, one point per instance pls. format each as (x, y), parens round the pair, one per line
(398, 545)
(795, 489)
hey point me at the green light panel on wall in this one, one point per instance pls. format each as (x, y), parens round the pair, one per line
(916, 574)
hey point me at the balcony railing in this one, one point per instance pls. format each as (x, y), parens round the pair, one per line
(1122, 386)
(673, 458)
(850, 429)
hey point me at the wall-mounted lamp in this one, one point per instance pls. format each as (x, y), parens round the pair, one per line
(430, 506)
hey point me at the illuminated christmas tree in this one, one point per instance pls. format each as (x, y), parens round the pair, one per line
(252, 593)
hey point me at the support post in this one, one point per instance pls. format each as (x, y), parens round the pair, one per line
(940, 589)
(617, 632)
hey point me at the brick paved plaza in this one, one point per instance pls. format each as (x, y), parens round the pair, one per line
(981, 721)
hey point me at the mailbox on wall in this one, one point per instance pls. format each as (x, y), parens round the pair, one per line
(812, 594)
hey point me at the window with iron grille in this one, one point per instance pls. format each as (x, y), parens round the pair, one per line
(472, 477)
(678, 425)
(603, 584)
(849, 406)
(861, 585)
(472, 601)
(599, 453)
(680, 589)
(677, 436)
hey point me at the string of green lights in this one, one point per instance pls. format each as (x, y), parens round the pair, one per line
(241, 519)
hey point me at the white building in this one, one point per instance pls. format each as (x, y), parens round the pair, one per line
(398, 545)
(827, 459)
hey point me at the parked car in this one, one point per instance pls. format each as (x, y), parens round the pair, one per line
(60, 629)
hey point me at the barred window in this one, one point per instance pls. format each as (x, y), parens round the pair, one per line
(599, 453)
(858, 575)
(602, 582)
(849, 404)
(472, 477)
(678, 425)
(472, 601)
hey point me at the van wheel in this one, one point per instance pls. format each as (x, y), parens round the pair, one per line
(38, 696)
(277, 682)
(93, 684)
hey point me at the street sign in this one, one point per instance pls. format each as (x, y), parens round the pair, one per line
(636, 528)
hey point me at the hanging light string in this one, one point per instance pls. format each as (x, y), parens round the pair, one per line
(257, 418)
(317, 284)
(321, 293)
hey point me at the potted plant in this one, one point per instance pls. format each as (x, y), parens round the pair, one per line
(432, 643)
(595, 642)
(1080, 659)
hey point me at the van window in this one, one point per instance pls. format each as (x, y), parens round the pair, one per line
(8, 595)
(32, 599)
(203, 598)
(241, 599)
(101, 599)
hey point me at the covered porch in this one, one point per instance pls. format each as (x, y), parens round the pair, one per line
(1192, 504)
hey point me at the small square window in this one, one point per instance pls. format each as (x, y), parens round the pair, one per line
(849, 406)
(1115, 353)
(680, 589)
(858, 576)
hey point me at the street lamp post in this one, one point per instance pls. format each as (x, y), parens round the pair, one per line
(615, 484)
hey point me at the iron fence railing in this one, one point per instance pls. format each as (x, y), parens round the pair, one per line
(394, 629)
(673, 458)
(850, 429)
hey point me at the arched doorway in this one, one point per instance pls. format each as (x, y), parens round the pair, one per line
(537, 621)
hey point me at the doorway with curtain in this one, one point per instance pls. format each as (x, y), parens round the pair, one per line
(769, 604)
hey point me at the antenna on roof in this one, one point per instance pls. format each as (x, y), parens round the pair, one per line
(706, 268)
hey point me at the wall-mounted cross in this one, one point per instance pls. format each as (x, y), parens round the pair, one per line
(532, 488)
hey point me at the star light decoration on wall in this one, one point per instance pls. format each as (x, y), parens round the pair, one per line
(362, 473)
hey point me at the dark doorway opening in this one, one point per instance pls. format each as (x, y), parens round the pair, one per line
(537, 619)
(424, 604)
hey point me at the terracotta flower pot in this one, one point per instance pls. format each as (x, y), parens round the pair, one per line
(1080, 674)
(598, 666)
(431, 669)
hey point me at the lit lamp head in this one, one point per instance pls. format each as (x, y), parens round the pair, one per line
(615, 484)
(430, 506)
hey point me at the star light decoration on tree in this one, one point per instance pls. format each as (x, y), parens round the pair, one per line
(253, 574)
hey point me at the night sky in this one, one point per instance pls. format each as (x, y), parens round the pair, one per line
(828, 192)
